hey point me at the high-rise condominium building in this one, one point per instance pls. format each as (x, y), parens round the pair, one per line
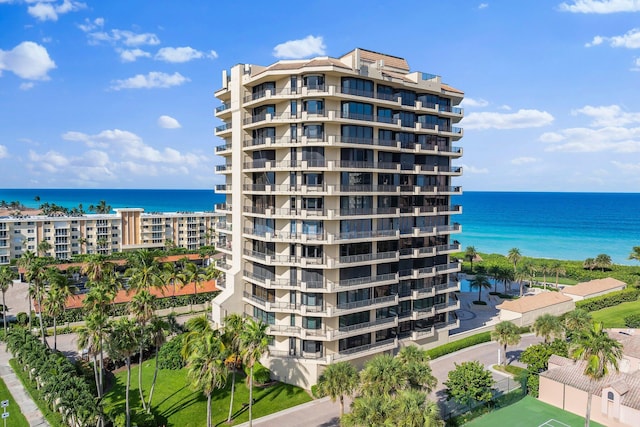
(338, 216)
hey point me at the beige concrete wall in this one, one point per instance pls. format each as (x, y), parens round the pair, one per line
(575, 401)
(557, 309)
(568, 293)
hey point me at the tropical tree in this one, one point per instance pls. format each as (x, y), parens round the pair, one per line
(547, 326)
(537, 359)
(122, 344)
(36, 275)
(590, 264)
(91, 337)
(576, 321)
(635, 253)
(193, 273)
(544, 269)
(514, 256)
(599, 351)
(383, 375)
(157, 330)
(470, 254)
(55, 301)
(97, 267)
(100, 208)
(603, 261)
(24, 262)
(7, 276)
(520, 276)
(506, 333)
(233, 325)
(254, 344)
(144, 271)
(205, 366)
(141, 306)
(505, 276)
(370, 410)
(412, 409)
(337, 380)
(494, 271)
(469, 382)
(415, 362)
(43, 247)
(172, 274)
(480, 281)
(558, 270)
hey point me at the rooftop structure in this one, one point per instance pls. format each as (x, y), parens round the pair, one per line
(524, 311)
(338, 218)
(594, 288)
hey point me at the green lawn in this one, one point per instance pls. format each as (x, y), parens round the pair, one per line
(16, 419)
(177, 404)
(529, 412)
(613, 317)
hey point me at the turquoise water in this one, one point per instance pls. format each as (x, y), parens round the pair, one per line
(571, 226)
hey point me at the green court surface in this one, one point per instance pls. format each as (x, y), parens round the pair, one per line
(530, 412)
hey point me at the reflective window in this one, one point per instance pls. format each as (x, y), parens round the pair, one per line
(355, 86)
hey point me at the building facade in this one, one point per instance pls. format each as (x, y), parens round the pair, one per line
(127, 229)
(338, 220)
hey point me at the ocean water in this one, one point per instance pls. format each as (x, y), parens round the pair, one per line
(571, 226)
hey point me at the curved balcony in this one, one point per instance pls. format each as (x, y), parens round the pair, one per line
(364, 350)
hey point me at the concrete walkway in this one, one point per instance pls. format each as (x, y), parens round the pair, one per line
(20, 395)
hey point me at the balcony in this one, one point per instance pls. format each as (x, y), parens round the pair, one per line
(223, 129)
(448, 325)
(422, 313)
(224, 107)
(361, 328)
(370, 304)
(223, 188)
(364, 350)
(452, 304)
(278, 306)
(368, 281)
(422, 334)
(223, 208)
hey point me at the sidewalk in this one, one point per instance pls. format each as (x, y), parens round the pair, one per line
(20, 395)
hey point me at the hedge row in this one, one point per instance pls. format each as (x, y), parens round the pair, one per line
(609, 300)
(451, 347)
(122, 309)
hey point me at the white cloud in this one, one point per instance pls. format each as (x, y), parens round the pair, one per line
(505, 107)
(587, 140)
(213, 54)
(609, 115)
(302, 48)
(28, 60)
(601, 6)
(168, 122)
(181, 54)
(518, 120)
(131, 55)
(4, 153)
(154, 79)
(127, 38)
(91, 25)
(472, 169)
(131, 147)
(472, 102)
(633, 168)
(523, 160)
(630, 40)
(483, 5)
(636, 65)
(26, 86)
(47, 11)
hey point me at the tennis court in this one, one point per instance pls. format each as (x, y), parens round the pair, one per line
(530, 412)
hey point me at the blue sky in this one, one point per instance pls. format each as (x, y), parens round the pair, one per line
(119, 94)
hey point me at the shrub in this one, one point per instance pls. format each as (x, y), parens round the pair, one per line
(632, 321)
(451, 347)
(261, 375)
(22, 318)
(169, 355)
(609, 300)
(314, 391)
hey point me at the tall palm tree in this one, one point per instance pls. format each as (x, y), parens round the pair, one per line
(412, 409)
(599, 351)
(254, 344)
(558, 270)
(383, 375)
(514, 256)
(193, 273)
(635, 253)
(470, 254)
(37, 275)
(370, 410)
(97, 267)
(157, 329)
(206, 368)
(233, 325)
(24, 262)
(144, 271)
(55, 302)
(415, 362)
(480, 282)
(494, 271)
(520, 276)
(43, 247)
(337, 380)
(7, 276)
(92, 336)
(589, 264)
(141, 306)
(603, 261)
(506, 276)
(100, 208)
(547, 326)
(576, 321)
(544, 269)
(506, 333)
(172, 274)
(122, 344)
